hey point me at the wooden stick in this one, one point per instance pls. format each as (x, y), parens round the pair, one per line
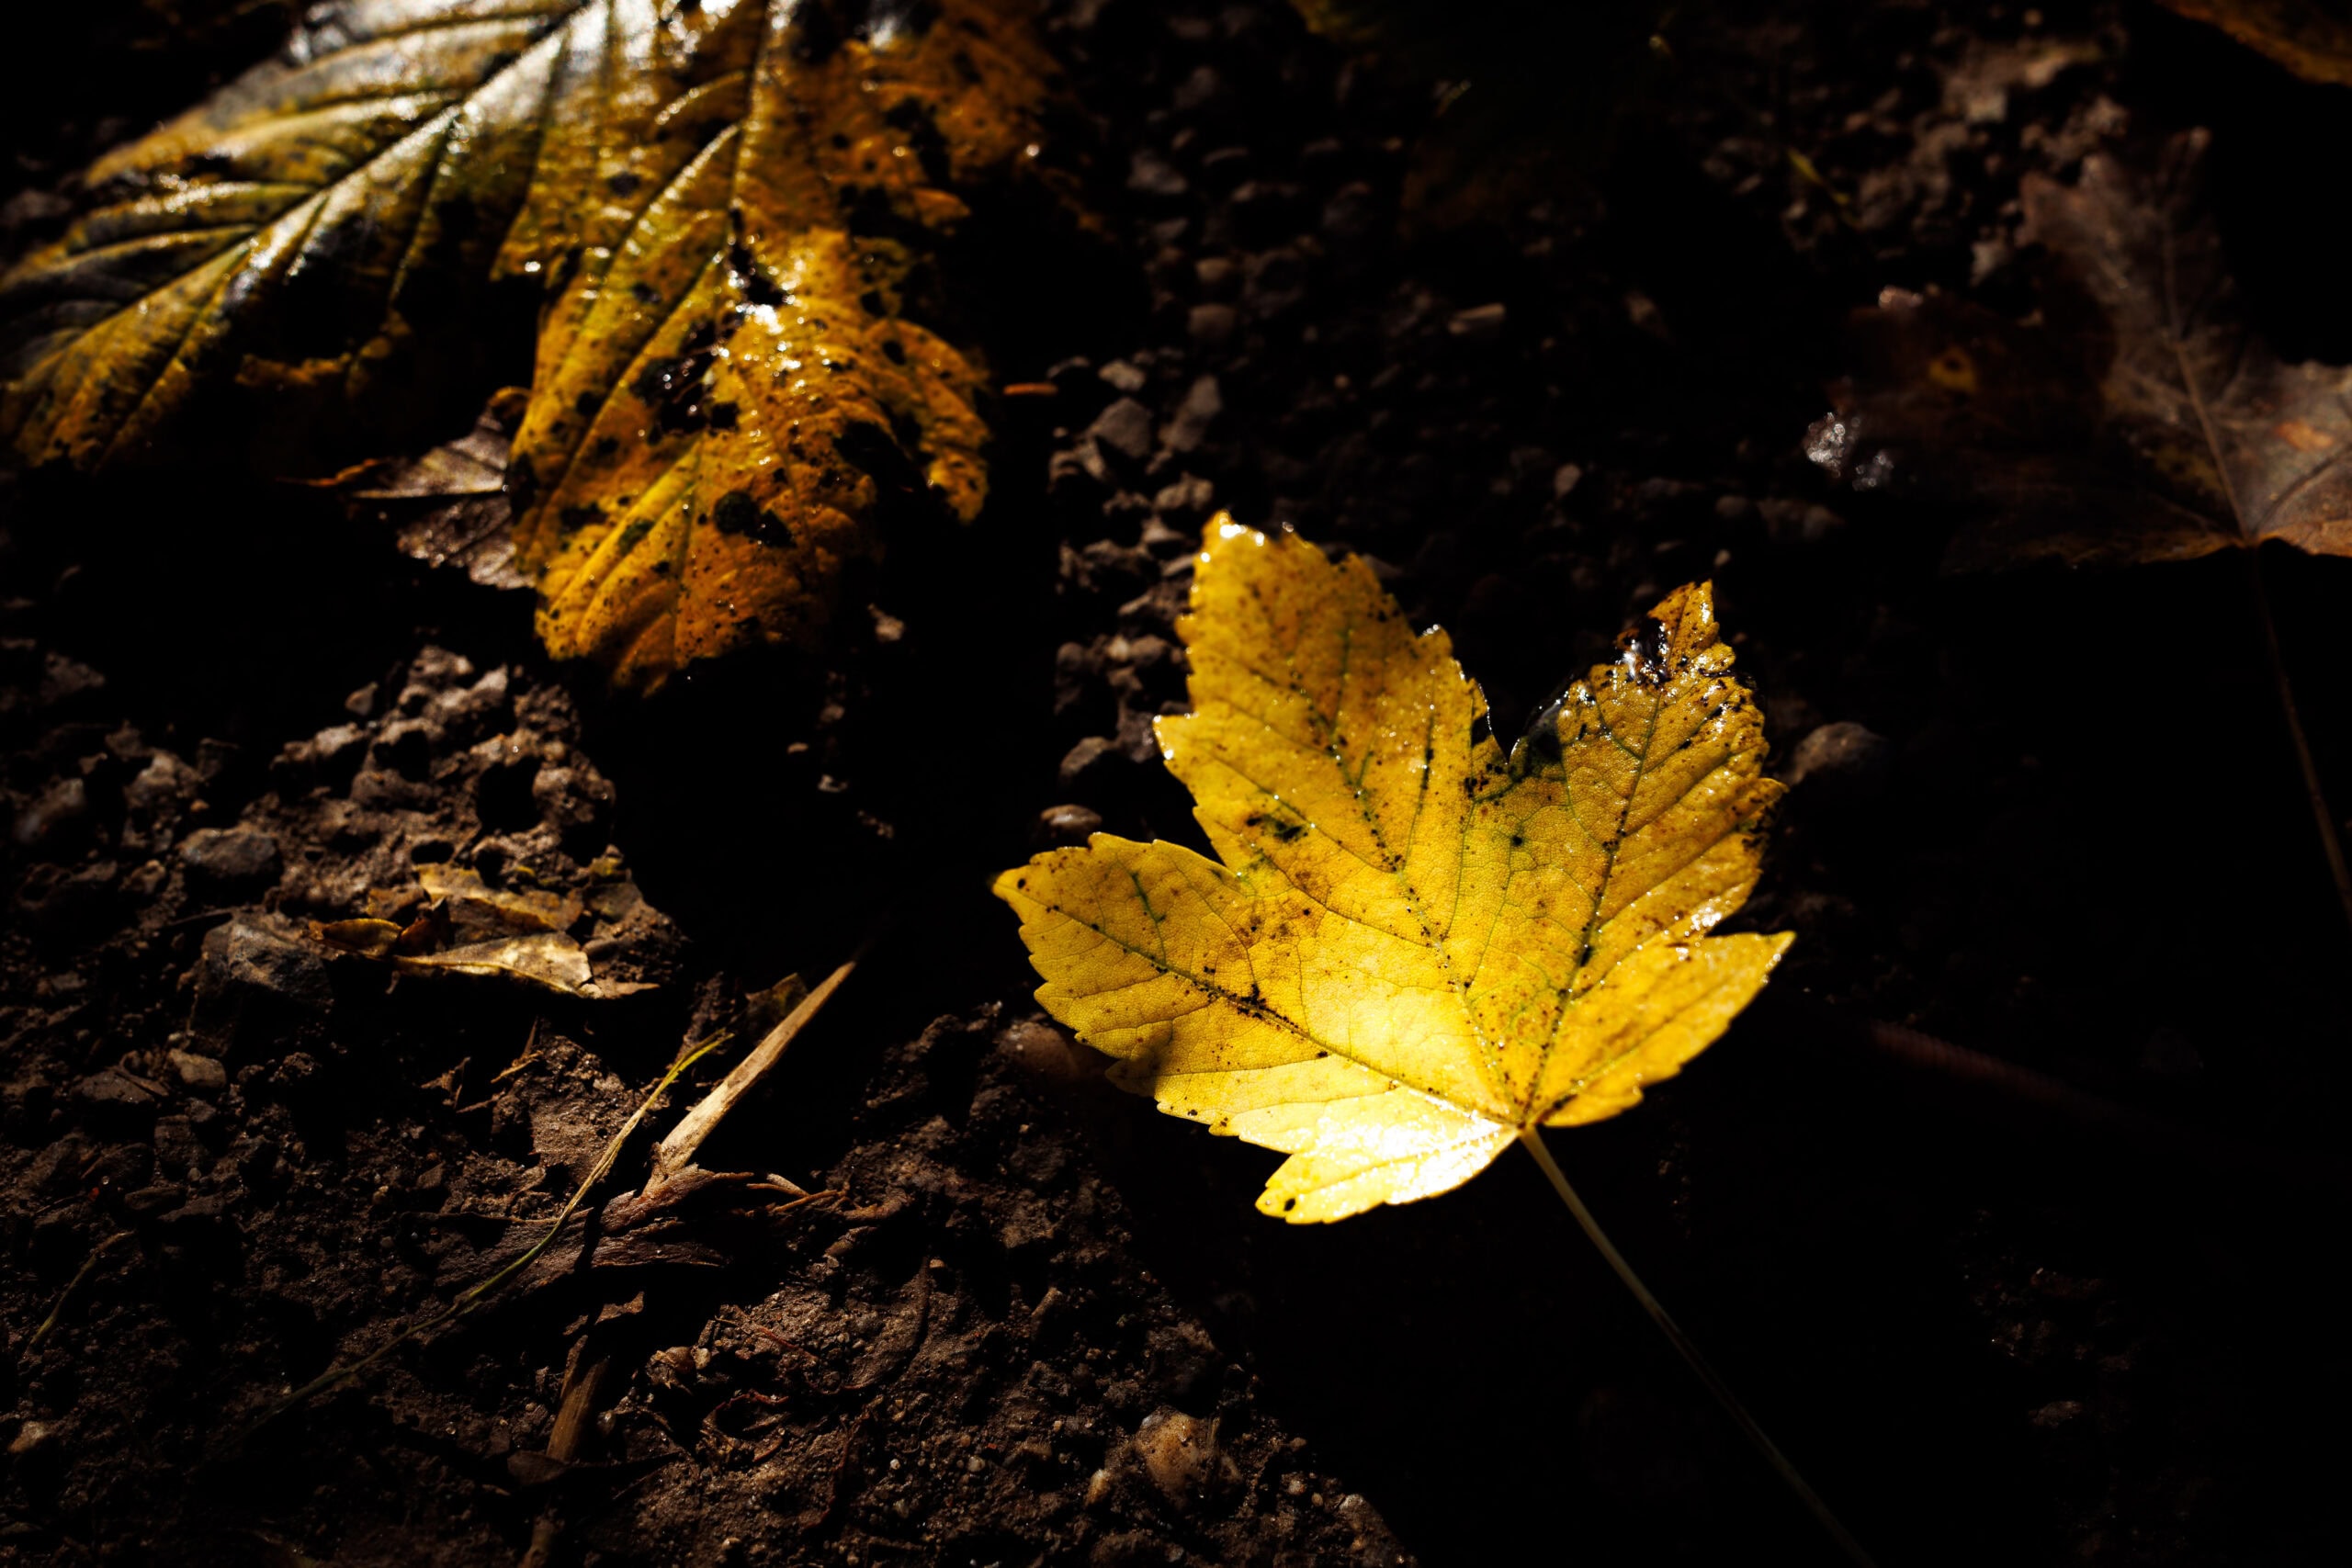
(676, 1151)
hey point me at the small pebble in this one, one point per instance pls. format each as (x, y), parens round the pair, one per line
(1842, 763)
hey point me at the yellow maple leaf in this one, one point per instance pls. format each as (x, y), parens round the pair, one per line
(1412, 948)
(723, 206)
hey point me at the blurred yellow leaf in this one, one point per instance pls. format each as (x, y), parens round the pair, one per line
(722, 203)
(1412, 946)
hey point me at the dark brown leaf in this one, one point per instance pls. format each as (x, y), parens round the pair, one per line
(2140, 419)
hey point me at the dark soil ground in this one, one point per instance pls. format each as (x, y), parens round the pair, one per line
(1023, 1320)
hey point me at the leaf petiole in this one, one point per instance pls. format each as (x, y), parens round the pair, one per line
(1533, 1140)
(2324, 819)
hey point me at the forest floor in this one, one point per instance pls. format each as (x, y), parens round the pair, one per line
(1022, 1319)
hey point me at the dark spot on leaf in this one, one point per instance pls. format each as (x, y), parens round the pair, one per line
(816, 34)
(623, 183)
(751, 277)
(737, 513)
(1646, 652)
(673, 384)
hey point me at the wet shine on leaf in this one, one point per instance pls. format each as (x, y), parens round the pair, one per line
(723, 204)
(1411, 946)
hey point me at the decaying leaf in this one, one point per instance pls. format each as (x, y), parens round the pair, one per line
(449, 506)
(2140, 420)
(2310, 38)
(471, 927)
(1412, 946)
(725, 204)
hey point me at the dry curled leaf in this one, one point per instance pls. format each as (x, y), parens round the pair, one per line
(724, 205)
(2310, 38)
(1412, 946)
(2140, 420)
(449, 506)
(471, 927)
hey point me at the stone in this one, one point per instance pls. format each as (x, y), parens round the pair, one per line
(258, 989)
(1226, 167)
(165, 784)
(1478, 323)
(202, 1075)
(1211, 326)
(1067, 825)
(231, 863)
(1124, 377)
(1153, 176)
(1164, 542)
(1125, 428)
(66, 681)
(575, 800)
(1186, 501)
(110, 1100)
(1274, 281)
(330, 756)
(57, 822)
(1092, 762)
(154, 1200)
(1203, 401)
(1181, 1456)
(1843, 763)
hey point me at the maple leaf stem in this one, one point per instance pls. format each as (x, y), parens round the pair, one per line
(2329, 841)
(1533, 1139)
